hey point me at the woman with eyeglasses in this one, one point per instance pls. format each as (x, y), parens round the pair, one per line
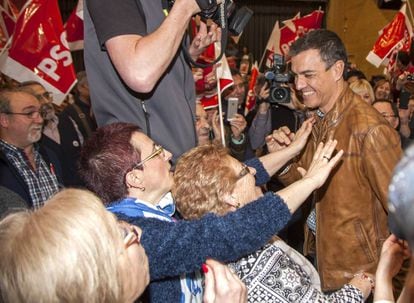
(73, 250)
(274, 271)
(133, 177)
(70, 250)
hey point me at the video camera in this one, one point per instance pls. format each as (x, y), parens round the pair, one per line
(279, 91)
(231, 19)
(226, 15)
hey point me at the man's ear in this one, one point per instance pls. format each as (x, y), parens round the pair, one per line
(134, 179)
(4, 120)
(338, 69)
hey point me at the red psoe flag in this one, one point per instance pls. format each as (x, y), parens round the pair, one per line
(297, 27)
(393, 35)
(272, 47)
(39, 50)
(74, 28)
(251, 98)
(222, 73)
(287, 37)
(308, 23)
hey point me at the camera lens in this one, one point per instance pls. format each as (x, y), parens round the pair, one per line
(280, 95)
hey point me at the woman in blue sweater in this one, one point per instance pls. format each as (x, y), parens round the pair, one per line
(132, 175)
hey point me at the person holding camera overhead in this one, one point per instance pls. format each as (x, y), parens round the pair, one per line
(348, 223)
(270, 113)
(136, 67)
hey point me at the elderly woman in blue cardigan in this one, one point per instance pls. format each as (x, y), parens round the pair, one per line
(274, 272)
(132, 175)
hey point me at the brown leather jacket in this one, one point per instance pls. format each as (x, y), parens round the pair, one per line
(351, 207)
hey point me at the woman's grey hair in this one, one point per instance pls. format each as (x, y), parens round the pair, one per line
(67, 251)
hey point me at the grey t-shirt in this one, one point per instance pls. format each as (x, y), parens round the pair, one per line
(171, 104)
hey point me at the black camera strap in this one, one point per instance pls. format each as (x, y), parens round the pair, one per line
(224, 34)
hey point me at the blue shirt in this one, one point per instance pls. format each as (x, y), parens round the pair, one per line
(191, 284)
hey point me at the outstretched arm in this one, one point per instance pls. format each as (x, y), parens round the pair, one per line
(283, 145)
(314, 177)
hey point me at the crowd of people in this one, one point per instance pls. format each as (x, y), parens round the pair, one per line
(139, 189)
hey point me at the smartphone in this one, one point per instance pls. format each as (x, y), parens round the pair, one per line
(404, 99)
(232, 105)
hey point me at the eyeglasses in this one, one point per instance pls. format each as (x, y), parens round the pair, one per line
(158, 149)
(131, 235)
(45, 95)
(31, 115)
(244, 171)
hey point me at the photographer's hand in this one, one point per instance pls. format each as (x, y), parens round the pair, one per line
(264, 91)
(401, 80)
(204, 39)
(238, 124)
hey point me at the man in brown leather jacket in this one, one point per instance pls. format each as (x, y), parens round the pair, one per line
(351, 209)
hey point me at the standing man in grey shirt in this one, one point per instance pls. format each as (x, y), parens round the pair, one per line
(137, 70)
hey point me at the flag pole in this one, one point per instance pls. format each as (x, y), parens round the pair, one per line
(6, 46)
(220, 113)
(410, 10)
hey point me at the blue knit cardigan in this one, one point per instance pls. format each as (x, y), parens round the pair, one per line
(180, 247)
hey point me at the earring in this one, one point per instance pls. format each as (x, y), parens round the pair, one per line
(142, 188)
(237, 205)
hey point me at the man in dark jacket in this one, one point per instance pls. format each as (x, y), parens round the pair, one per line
(25, 167)
(79, 113)
(60, 134)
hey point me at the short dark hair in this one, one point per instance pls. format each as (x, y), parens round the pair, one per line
(6, 95)
(328, 43)
(355, 73)
(376, 78)
(105, 159)
(403, 57)
(392, 104)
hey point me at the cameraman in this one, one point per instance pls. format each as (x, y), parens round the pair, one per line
(137, 71)
(268, 116)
